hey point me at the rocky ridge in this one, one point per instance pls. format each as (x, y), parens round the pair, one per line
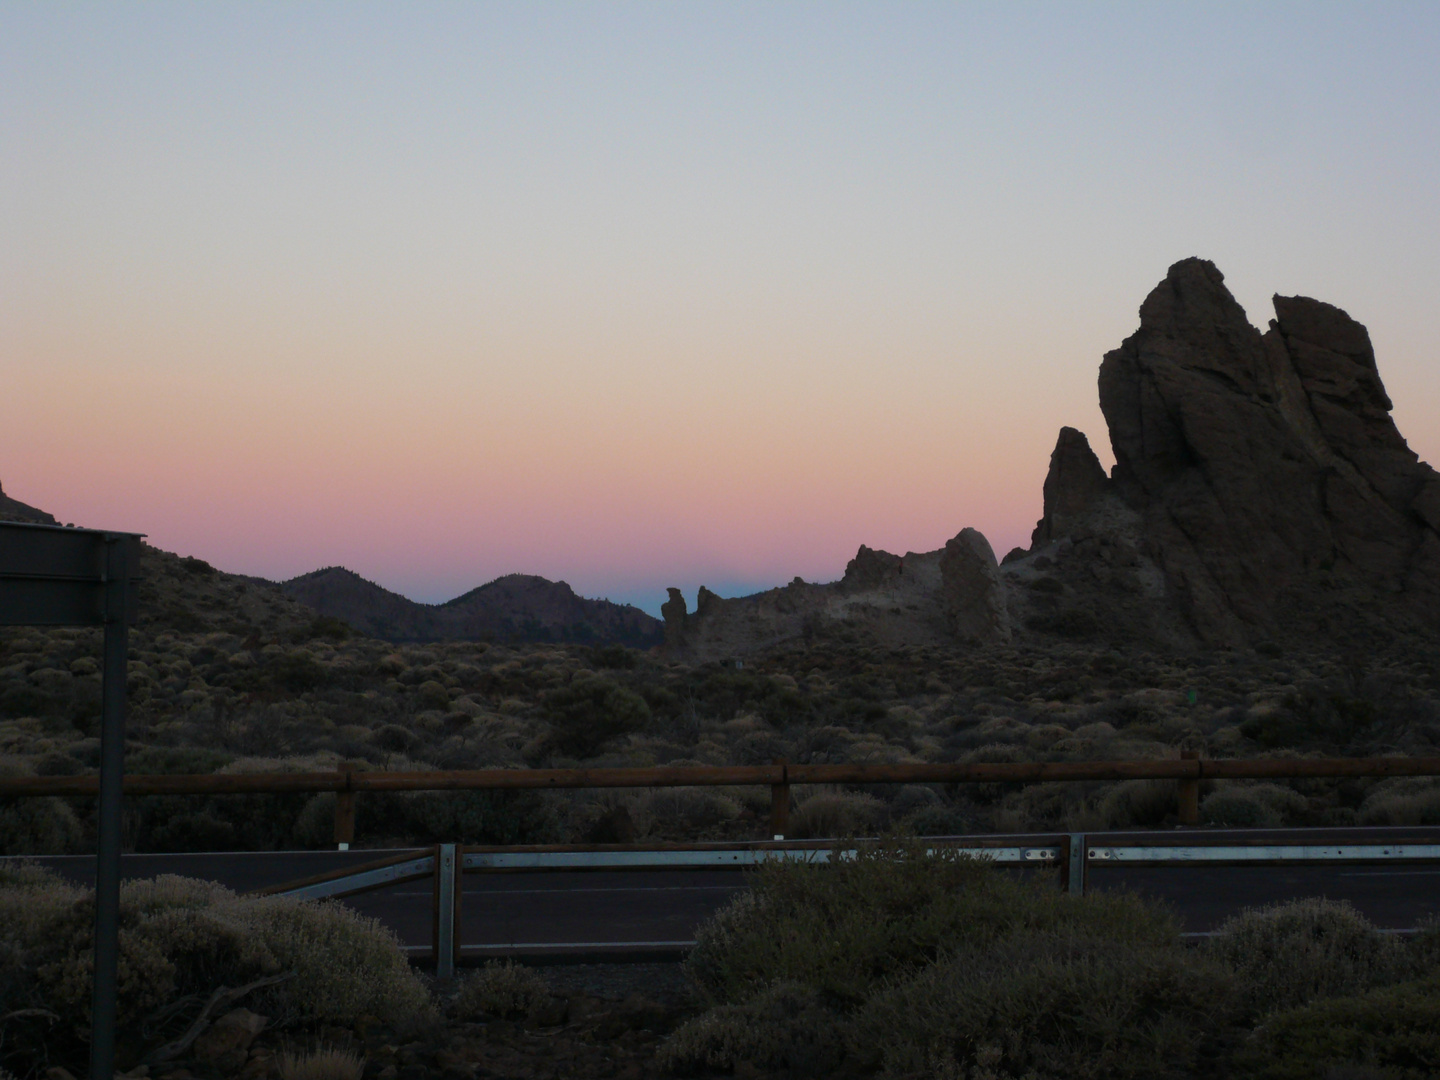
(15, 510)
(1261, 491)
(516, 607)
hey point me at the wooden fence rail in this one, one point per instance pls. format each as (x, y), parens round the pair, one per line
(1187, 772)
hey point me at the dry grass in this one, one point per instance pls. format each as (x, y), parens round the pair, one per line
(324, 1063)
(499, 989)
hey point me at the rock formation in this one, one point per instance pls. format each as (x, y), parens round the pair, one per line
(971, 590)
(1276, 493)
(1261, 490)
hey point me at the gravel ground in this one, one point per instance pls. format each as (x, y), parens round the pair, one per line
(664, 984)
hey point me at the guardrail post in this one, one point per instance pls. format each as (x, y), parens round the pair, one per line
(345, 811)
(445, 923)
(780, 803)
(1075, 865)
(1187, 792)
(119, 596)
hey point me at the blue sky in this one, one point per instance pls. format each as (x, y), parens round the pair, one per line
(639, 295)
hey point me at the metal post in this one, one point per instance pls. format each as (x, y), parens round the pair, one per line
(112, 764)
(1187, 793)
(1075, 879)
(443, 936)
(780, 803)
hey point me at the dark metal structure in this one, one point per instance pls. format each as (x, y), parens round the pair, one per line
(54, 576)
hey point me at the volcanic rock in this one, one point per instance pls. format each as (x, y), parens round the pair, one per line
(1073, 486)
(1275, 492)
(971, 588)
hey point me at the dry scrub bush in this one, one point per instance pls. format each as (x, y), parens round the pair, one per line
(915, 962)
(831, 814)
(346, 965)
(181, 939)
(39, 826)
(1286, 955)
(786, 1026)
(838, 927)
(1391, 1033)
(321, 1064)
(501, 988)
(1252, 806)
(1051, 1004)
(1402, 801)
(672, 810)
(1136, 804)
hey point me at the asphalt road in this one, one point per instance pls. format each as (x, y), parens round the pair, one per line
(650, 913)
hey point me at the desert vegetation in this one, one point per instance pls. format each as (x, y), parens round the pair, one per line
(903, 963)
(308, 695)
(900, 962)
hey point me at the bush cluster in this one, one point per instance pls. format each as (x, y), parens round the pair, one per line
(300, 692)
(180, 940)
(904, 963)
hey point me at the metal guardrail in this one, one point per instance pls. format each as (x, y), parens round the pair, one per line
(1071, 854)
(1262, 853)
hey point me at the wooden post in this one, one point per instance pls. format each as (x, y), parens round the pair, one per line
(1187, 793)
(780, 803)
(345, 812)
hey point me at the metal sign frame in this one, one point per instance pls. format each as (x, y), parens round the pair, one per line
(58, 576)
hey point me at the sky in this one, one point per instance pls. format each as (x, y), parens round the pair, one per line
(648, 295)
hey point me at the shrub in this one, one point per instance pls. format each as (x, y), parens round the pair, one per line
(176, 759)
(614, 656)
(786, 1026)
(839, 927)
(1137, 804)
(40, 825)
(1391, 1033)
(1424, 948)
(179, 940)
(1289, 954)
(940, 964)
(475, 817)
(501, 988)
(1253, 806)
(346, 965)
(684, 810)
(328, 626)
(1407, 801)
(939, 820)
(1049, 1004)
(590, 712)
(828, 815)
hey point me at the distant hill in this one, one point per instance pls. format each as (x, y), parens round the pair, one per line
(517, 607)
(15, 510)
(189, 595)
